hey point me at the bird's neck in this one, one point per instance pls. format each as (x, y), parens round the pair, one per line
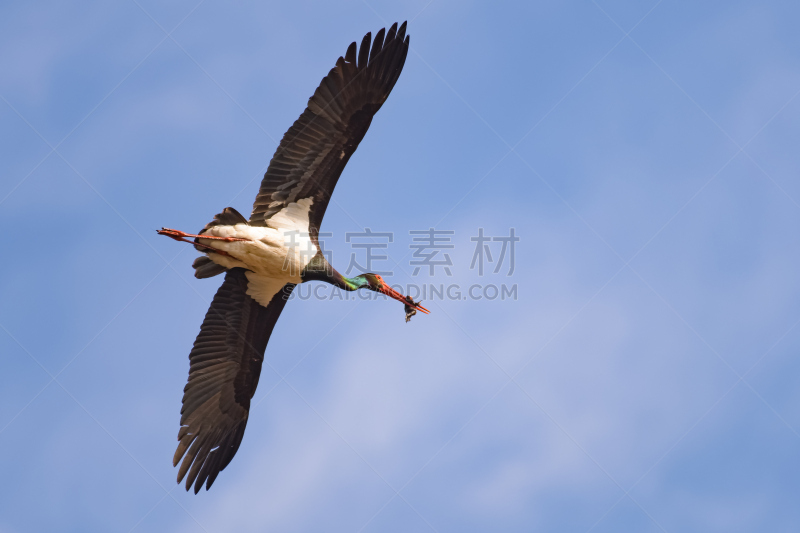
(345, 283)
(353, 284)
(319, 269)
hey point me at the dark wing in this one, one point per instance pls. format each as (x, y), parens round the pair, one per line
(315, 150)
(225, 364)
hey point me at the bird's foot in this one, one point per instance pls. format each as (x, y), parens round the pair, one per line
(184, 237)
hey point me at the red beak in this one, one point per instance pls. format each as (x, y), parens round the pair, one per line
(388, 291)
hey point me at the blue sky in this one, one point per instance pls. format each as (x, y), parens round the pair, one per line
(643, 380)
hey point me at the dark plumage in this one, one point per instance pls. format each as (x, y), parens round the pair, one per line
(225, 362)
(315, 150)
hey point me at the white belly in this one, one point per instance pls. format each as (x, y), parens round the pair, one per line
(273, 257)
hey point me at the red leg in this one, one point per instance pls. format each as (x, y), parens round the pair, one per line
(180, 236)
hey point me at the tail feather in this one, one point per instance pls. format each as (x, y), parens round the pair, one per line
(228, 217)
(203, 266)
(206, 268)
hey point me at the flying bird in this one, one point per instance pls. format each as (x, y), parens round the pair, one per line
(265, 256)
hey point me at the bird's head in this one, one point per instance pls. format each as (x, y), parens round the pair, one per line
(376, 283)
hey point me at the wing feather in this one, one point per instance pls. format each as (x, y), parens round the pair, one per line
(225, 364)
(315, 150)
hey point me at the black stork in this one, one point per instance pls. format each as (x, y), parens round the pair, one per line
(263, 258)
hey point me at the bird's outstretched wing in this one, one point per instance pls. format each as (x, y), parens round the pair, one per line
(225, 364)
(315, 150)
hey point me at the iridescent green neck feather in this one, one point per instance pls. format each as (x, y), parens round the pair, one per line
(319, 269)
(353, 284)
